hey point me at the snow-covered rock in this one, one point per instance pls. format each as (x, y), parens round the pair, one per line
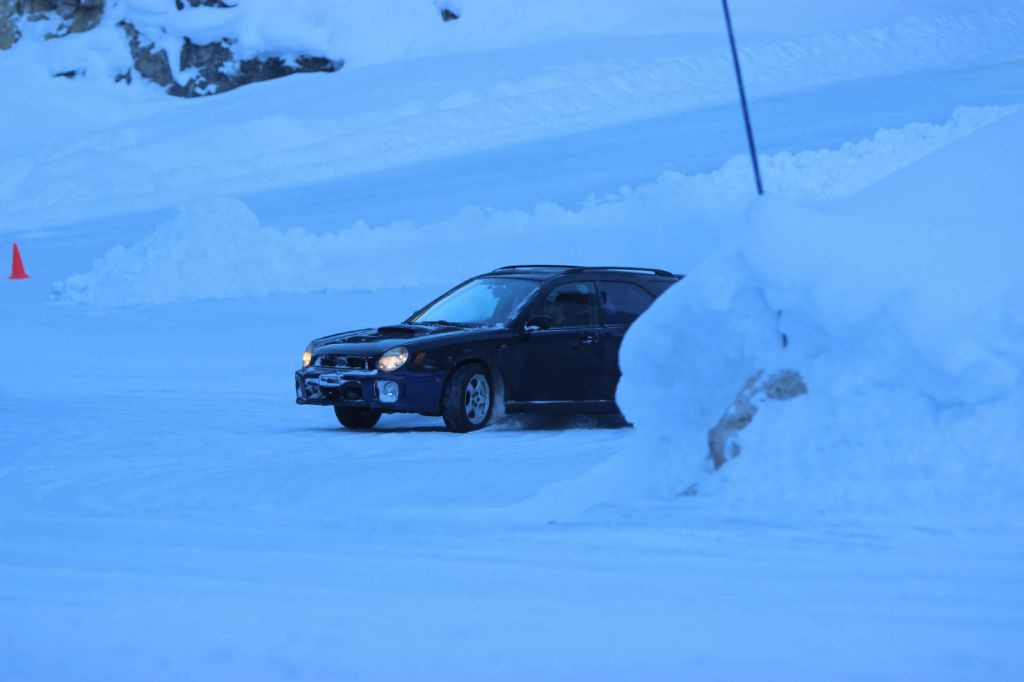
(212, 67)
(161, 45)
(63, 17)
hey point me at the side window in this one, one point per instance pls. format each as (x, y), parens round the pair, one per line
(622, 302)
(571, 305)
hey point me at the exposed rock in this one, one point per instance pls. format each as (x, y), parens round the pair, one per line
(220, 4)
(207, 58)
(784, 385)
(722, 445)
(9, 32)
(150, 63)
(213, 65)
(449, 14)
(75, 16)
(219, 71)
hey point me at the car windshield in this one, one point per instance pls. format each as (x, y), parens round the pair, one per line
(485, 301)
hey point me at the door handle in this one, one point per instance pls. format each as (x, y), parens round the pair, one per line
(587, 338)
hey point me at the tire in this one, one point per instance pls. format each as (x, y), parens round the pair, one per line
(358, 418)
(468, 402)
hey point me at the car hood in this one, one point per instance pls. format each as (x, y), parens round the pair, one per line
(374, 341)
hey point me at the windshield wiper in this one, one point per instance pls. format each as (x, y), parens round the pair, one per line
(447, 323)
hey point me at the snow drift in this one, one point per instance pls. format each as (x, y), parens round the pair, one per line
(903, 310)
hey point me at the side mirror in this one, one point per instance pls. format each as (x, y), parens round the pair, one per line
(537, 322)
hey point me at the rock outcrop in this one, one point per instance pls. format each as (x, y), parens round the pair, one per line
(218, 70)
(211, 67)
(74, 16)
(148, 61)
(9, 32)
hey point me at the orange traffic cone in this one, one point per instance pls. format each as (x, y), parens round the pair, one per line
(17, 268)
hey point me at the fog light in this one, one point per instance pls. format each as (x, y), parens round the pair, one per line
(388, 391)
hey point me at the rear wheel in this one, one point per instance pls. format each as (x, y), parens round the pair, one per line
(468, 399)
(359, 418)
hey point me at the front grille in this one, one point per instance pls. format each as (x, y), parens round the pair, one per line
(344, 361)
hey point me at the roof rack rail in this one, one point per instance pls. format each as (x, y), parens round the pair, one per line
(527, 267)
(654, 271)
(585, 268)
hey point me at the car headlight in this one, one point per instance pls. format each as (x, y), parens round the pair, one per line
(307, 356)
(393, 359)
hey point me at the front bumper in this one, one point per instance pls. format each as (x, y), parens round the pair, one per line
(418, 391)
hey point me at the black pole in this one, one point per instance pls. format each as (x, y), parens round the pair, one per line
(743, 98)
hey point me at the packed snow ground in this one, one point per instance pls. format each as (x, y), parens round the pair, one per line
(167, 512)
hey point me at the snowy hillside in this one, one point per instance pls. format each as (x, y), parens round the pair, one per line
(824, 476)
(112, 148)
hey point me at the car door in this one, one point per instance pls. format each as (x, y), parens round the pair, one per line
(621, 303)
(564, 361)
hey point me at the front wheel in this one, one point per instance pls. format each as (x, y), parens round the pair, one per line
(359, 418)
(468, 399)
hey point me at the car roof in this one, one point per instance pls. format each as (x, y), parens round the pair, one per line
(551, 271)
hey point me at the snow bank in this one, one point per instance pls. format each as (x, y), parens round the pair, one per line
(217, 248)
(903, 310)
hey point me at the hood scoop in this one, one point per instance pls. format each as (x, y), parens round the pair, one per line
(400, 330)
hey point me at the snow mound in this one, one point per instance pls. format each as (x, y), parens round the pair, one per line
(217, 248)
(903, 310)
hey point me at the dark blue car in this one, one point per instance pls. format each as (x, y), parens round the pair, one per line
(522, 338)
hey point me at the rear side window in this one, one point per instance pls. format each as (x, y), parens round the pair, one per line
(622, 302)
(571, 305)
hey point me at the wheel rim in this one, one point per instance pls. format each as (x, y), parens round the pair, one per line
(477, 399)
